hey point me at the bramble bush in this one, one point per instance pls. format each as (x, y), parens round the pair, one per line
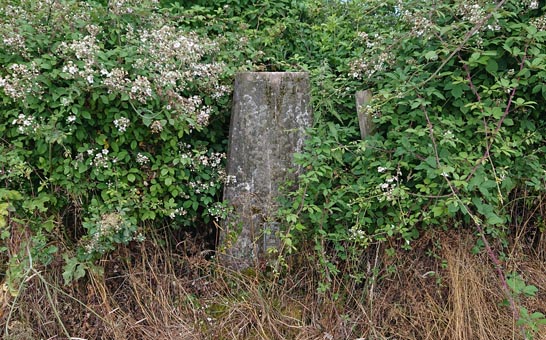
(112, 120)
(458, 91)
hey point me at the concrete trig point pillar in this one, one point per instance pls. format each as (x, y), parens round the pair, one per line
(271, 111)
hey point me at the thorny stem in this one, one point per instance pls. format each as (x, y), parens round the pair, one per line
(431, 133)
(467, 36)
(458, 49)
(499, 123)
(475, 91)
(490, 252)
(494, 258)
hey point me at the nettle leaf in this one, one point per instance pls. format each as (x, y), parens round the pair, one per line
(484, 187)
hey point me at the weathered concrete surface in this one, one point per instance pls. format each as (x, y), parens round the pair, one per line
(271, 111)
(365, 120)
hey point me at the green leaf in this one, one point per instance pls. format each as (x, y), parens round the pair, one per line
(530, 290)
(431, 55)
(73, 270)
(492, 66)
(494, 219)
(11, 195)
(457, 91)
(85, 114)
(49, 225)
(438, 211)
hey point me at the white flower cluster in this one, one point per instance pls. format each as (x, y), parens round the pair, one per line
(108, 225)
(200, 187)
(20, 81)
(218, 210)
(166, 80)
(120, 7)
(213, 161)
(220, 91)
(168, 60)
(141, 89)
(100, 159)
(142, 159)
(471, 11)
(115, 80)
(474, 11)
(421, 26)
(194, 107)
(122, 124)
(166, 45)
(14, 41)
(359, 236)
(70, 68)
(389, 185)
(178, 212)
(363, 68)
(371, 111)
(156, 126)
(27, 124)
(162, 51)
(531, 4)
(203, 116)
(196, 160)
(31, 12)
(539, 23)
(85, 51)
(366, 39)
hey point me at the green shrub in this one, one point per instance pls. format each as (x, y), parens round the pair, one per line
(458, 96)
(112, 119)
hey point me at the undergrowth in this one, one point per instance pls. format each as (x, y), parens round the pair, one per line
(437, 290)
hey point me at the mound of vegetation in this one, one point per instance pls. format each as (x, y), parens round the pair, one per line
(113, 130)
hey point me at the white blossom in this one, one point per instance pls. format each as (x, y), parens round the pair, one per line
(122, 124)
(142, 159)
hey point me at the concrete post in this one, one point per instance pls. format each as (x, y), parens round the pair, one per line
(365, 121)
(271, 111)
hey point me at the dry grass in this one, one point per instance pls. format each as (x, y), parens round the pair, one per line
(456, 296)
(439, 290)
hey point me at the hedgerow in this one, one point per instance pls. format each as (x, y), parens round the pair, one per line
(112, 121)
(115, 113)
(457, 97)
(458, 91)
